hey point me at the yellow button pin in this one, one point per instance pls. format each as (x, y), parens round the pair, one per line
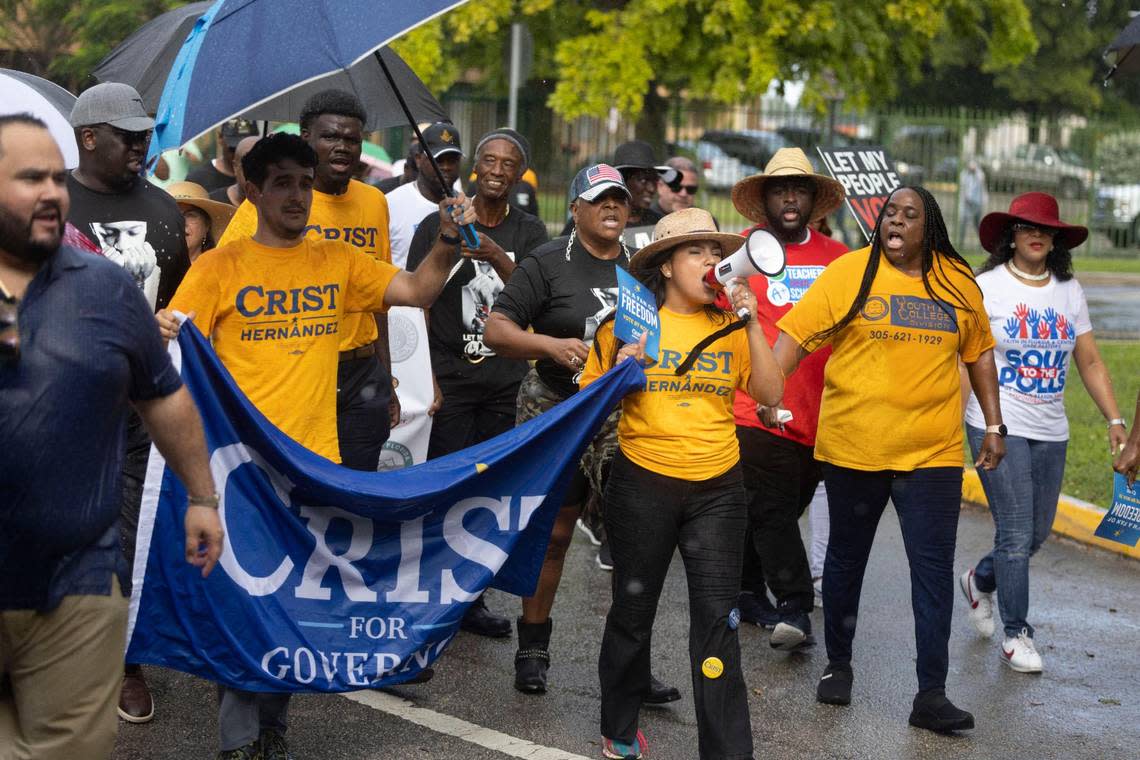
(712, 667)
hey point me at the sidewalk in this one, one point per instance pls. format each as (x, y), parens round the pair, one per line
(1076, 519)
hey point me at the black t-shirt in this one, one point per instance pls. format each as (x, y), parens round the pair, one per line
(141, 230)
(564, 299)
(460, 360)
(208, 176)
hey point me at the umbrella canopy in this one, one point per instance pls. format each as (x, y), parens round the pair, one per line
(24, 93)
(241, 55)
(1122, 53)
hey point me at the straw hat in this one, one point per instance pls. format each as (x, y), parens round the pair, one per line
(1036, 208)
(748, 193)
(686, 226)
(193, 194)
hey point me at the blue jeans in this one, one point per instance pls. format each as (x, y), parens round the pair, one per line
(1022, 493)
(927, 501)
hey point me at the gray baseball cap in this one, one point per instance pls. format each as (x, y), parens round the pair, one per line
(112, 103)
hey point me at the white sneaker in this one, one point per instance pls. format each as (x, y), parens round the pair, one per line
(817, 586)
(1020, 654)
(981, 604)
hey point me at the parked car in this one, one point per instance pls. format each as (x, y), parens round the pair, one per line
(1040, 167)
(753, 147)
(1116, 213)
(719, 170)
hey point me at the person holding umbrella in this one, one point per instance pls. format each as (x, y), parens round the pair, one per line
(1040, 319)
(280, 171)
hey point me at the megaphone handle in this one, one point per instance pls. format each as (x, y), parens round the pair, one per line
(742, 312)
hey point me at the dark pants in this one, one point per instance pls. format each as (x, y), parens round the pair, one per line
(363, 389)
(466, 419)
(647, 517)
(927, 501)
(780, 477)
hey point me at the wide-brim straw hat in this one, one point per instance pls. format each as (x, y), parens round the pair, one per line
(193, 194)
(1035, 208)
(748, 193)
(690, 225)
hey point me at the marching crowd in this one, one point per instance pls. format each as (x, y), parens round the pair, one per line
(836, 385)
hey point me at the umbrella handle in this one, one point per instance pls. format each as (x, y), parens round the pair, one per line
(467, 231)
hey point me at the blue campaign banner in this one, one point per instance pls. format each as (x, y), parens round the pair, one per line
(333, 579)
(637, 313)
(1122, 521)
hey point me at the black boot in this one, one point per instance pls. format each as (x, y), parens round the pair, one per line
(660, 693)
(481, 621)
(533, 657)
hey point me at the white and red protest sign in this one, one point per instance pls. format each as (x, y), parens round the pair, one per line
(867, 175)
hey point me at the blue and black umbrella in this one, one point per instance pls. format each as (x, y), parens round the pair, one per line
(242, 55)
(26, 93)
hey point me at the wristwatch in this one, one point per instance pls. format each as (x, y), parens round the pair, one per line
(1118, 421)
(1001, 430)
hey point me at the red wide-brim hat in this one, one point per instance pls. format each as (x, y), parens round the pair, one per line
(1034, 208)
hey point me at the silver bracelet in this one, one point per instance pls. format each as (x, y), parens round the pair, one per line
(1118, 421)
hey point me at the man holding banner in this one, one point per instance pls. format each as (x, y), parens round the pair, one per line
(274, 305)
(88, 346)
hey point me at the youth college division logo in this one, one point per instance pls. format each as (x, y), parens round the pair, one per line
(1037, 366)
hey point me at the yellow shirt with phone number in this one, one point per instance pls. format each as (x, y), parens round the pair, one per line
(275, 316)
(681, 426)
(891, 396)
(359, 217)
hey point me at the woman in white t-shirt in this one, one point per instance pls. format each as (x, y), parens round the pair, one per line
(1039, 319)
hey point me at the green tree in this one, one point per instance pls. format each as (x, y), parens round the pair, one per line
(613, 54)
(65, 39)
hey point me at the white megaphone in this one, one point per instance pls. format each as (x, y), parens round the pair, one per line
(762, 253)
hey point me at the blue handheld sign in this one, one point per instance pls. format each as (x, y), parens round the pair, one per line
(1122, 521)
(637, 313)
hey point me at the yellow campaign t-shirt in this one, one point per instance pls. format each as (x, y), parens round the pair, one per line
(891, 398)
(359, 217)
(681, 426)
(275, 316)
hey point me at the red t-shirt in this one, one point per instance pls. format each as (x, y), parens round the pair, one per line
(804, 388)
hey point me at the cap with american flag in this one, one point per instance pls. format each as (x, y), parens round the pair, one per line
(595, 180)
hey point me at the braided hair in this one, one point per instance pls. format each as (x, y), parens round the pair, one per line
(938, 253)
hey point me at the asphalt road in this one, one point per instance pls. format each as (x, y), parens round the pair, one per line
(1085, 605)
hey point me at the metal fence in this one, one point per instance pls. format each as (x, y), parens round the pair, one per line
(1091, 164)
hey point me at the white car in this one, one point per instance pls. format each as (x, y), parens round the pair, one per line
(1117, 213)
(718, 169)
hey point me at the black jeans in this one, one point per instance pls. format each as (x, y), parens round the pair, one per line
(780, 477)
(466, 419)
(363, 389)
(647, 517)
(928, 502)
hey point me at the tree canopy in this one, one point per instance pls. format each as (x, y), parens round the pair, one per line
(610, 54)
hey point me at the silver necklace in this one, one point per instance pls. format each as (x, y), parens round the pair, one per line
(1025, 275)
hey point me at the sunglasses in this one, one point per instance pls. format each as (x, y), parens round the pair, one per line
(1029, 228)
(690, 189)
(9, 332)
(130, 138)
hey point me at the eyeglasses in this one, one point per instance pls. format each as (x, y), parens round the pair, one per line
(9, 332)
(690, 189)
(1028, 228)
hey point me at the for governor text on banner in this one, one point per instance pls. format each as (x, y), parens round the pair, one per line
(333, 579)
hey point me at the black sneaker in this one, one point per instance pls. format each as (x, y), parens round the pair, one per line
(757, 610)
(934, 712)
(660, 693)
(792, 633)
(604, 559)
(482, 622)
(251, 751)
(835, 685)
(592, 530)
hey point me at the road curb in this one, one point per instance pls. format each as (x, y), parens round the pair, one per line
(1075, 519)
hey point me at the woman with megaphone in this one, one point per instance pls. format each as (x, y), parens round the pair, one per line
(675, 482)
(899, 315)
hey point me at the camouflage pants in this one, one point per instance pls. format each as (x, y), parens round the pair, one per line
(536, 397)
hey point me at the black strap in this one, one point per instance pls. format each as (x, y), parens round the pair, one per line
(728, 329)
